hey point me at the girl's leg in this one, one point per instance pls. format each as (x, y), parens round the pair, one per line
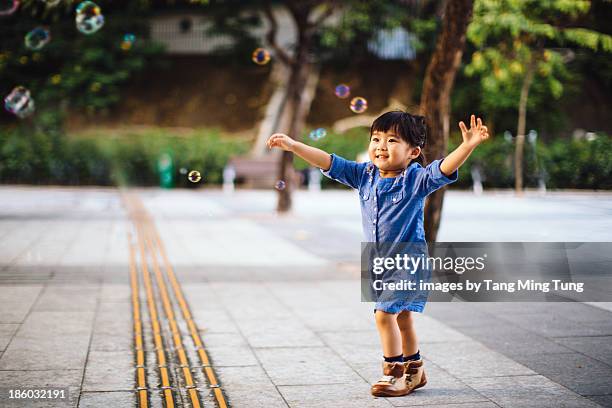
(409, 338)
(389, 331)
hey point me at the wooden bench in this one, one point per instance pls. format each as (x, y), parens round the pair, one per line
(263, 173)
(254, 172)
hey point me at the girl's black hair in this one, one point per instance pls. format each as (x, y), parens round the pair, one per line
(410, 128)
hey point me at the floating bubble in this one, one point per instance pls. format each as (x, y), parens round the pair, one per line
(183, 170)
(342, 91)
(194, 176)
(280, 185)
(89, 18)
(359, 104)
(37, 38)
(8, 7)
(128, 41)
(261, 56)
(19, 102)
(318, 134)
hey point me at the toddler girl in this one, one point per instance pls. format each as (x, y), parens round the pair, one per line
(392, 188)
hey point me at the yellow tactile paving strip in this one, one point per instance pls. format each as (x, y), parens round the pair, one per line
(141, 378)
(152, 249)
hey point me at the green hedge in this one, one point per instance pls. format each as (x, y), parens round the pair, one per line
(107, 157)
(110, 159)
(579, 164)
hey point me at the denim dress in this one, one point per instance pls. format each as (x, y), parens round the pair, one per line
(391, 208)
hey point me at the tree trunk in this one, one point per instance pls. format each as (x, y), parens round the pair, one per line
(303, 76)
(298, 104)
(297, 107)
(437, 87)
(520, 129)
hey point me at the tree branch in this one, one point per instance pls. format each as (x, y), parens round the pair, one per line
(322, 17)
(271, 36)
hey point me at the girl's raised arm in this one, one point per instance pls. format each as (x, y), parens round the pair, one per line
(312, 155)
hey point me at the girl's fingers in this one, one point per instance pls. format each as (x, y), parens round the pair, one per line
(272, 141)
(276, 140)
(462, 127)
(472, 121)
(479, 123)
(485, 133)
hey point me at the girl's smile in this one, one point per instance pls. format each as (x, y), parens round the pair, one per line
(390, 153)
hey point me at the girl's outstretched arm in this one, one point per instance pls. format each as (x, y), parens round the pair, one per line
(477, 134)
(312, 155)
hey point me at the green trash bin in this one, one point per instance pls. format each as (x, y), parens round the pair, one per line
(165, 168)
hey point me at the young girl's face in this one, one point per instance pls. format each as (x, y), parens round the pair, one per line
(389, 152)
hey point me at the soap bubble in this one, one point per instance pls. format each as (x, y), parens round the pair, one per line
(280, 185)
(19, 102)
(37, 38)
(342, 91)
(317, 134)
(183, 170)
(194, 176)
(128, 41)
(359, 104)
(261, 56)
(8, 7)
(89, 18)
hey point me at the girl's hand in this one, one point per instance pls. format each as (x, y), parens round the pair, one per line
(282, 141)
(477, 133)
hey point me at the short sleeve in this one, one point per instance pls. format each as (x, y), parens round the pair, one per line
(431, 178)
(345, 171)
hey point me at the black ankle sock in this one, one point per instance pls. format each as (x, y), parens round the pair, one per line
(415, 356)
(399, 358)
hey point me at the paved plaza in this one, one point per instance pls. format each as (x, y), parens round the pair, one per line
(202, 298)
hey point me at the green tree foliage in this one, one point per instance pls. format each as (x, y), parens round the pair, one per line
(74, 70)
(509, 34)
(517, 41)
(359, 21)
